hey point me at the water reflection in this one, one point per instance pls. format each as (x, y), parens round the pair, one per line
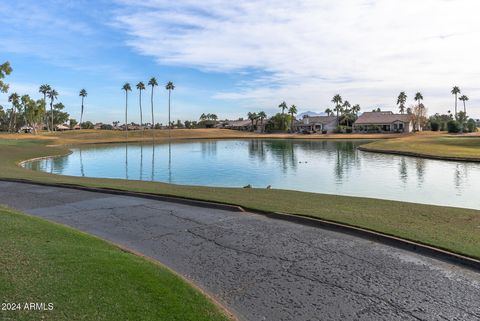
(335, 167)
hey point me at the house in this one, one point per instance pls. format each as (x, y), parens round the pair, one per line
(98, 126)
(321, 124)
(246, 125)
(383, 121)
(62, 127)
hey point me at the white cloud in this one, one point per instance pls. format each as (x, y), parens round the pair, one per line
(309, 50)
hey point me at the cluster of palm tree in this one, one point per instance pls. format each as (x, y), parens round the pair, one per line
(52, 94)
(402, 99)
(140, 87)
(206, 117)
(255, 117)
(456, 91)
(344, 110)
(292, 111)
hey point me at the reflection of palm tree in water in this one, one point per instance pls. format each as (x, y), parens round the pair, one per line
(153, 159)
(403, 171)
(283, 151)
(169, 162)
(126, 161)
(420, 166)
(461, 172)
(141, 160)
(256, 149)
(346, 156)
(82, 172)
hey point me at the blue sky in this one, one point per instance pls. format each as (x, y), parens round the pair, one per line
(231, 58)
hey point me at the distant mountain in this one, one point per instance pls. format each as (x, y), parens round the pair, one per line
(310, 114)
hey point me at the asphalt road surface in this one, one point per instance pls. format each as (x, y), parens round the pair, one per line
(262, 268)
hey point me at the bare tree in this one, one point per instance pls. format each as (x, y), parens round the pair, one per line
(419, 116)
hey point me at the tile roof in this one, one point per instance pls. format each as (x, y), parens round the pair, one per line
(381, 117)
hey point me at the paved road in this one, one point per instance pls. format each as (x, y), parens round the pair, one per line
(265, 269)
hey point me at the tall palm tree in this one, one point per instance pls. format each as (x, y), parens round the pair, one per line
(418, 97)
(283, 106)
(140, 87)
(15, 100)
(262, 115)
(152, 82)
(292, 111)
(455, 91)
(337, 100)
(44, 89)
(464, 99)
(52, 94)
(401, 100)
(169, 86)
(328, 111)
(127, 88)
(83, 94)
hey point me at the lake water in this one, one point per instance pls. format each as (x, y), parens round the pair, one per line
(333, 167)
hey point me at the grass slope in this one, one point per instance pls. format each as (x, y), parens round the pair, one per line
(453, 229)
(434, 145)
(86, 278)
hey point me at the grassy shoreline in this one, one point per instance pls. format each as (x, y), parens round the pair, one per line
(86, 278)
(440, 146)
(452, 229)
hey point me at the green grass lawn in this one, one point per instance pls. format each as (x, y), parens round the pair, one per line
(86, 278)
(453, 229)
(432, 145)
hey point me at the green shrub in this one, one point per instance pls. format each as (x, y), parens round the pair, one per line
(453, 126)
(435, 126)
(471, 126)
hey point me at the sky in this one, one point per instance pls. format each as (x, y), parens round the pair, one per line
(231, 58)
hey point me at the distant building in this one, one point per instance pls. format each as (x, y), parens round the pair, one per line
(62, 127)
(245, 125)
(318, 124)
(383, 121)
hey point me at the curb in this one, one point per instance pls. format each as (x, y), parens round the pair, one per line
(427, 250)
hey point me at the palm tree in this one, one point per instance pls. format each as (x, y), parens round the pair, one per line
(140, 87)
(455, 91)
(252, 117)
(14, 99)
(83, 94)
(262, 115)
(283, 106)
(152, 82)
(292, 111)
(401, 100)
(52, 94)
(464, 99)
(356, 109)
(127, 88)
(418, 97)
(169, 86)
(44, 89)
(337, 100)
(329, 112)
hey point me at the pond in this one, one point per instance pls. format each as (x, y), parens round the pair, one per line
(321, 166)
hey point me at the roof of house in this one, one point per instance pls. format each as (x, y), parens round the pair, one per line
(381, 117)
(239, 123)
(62, 127)
(319, 119)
